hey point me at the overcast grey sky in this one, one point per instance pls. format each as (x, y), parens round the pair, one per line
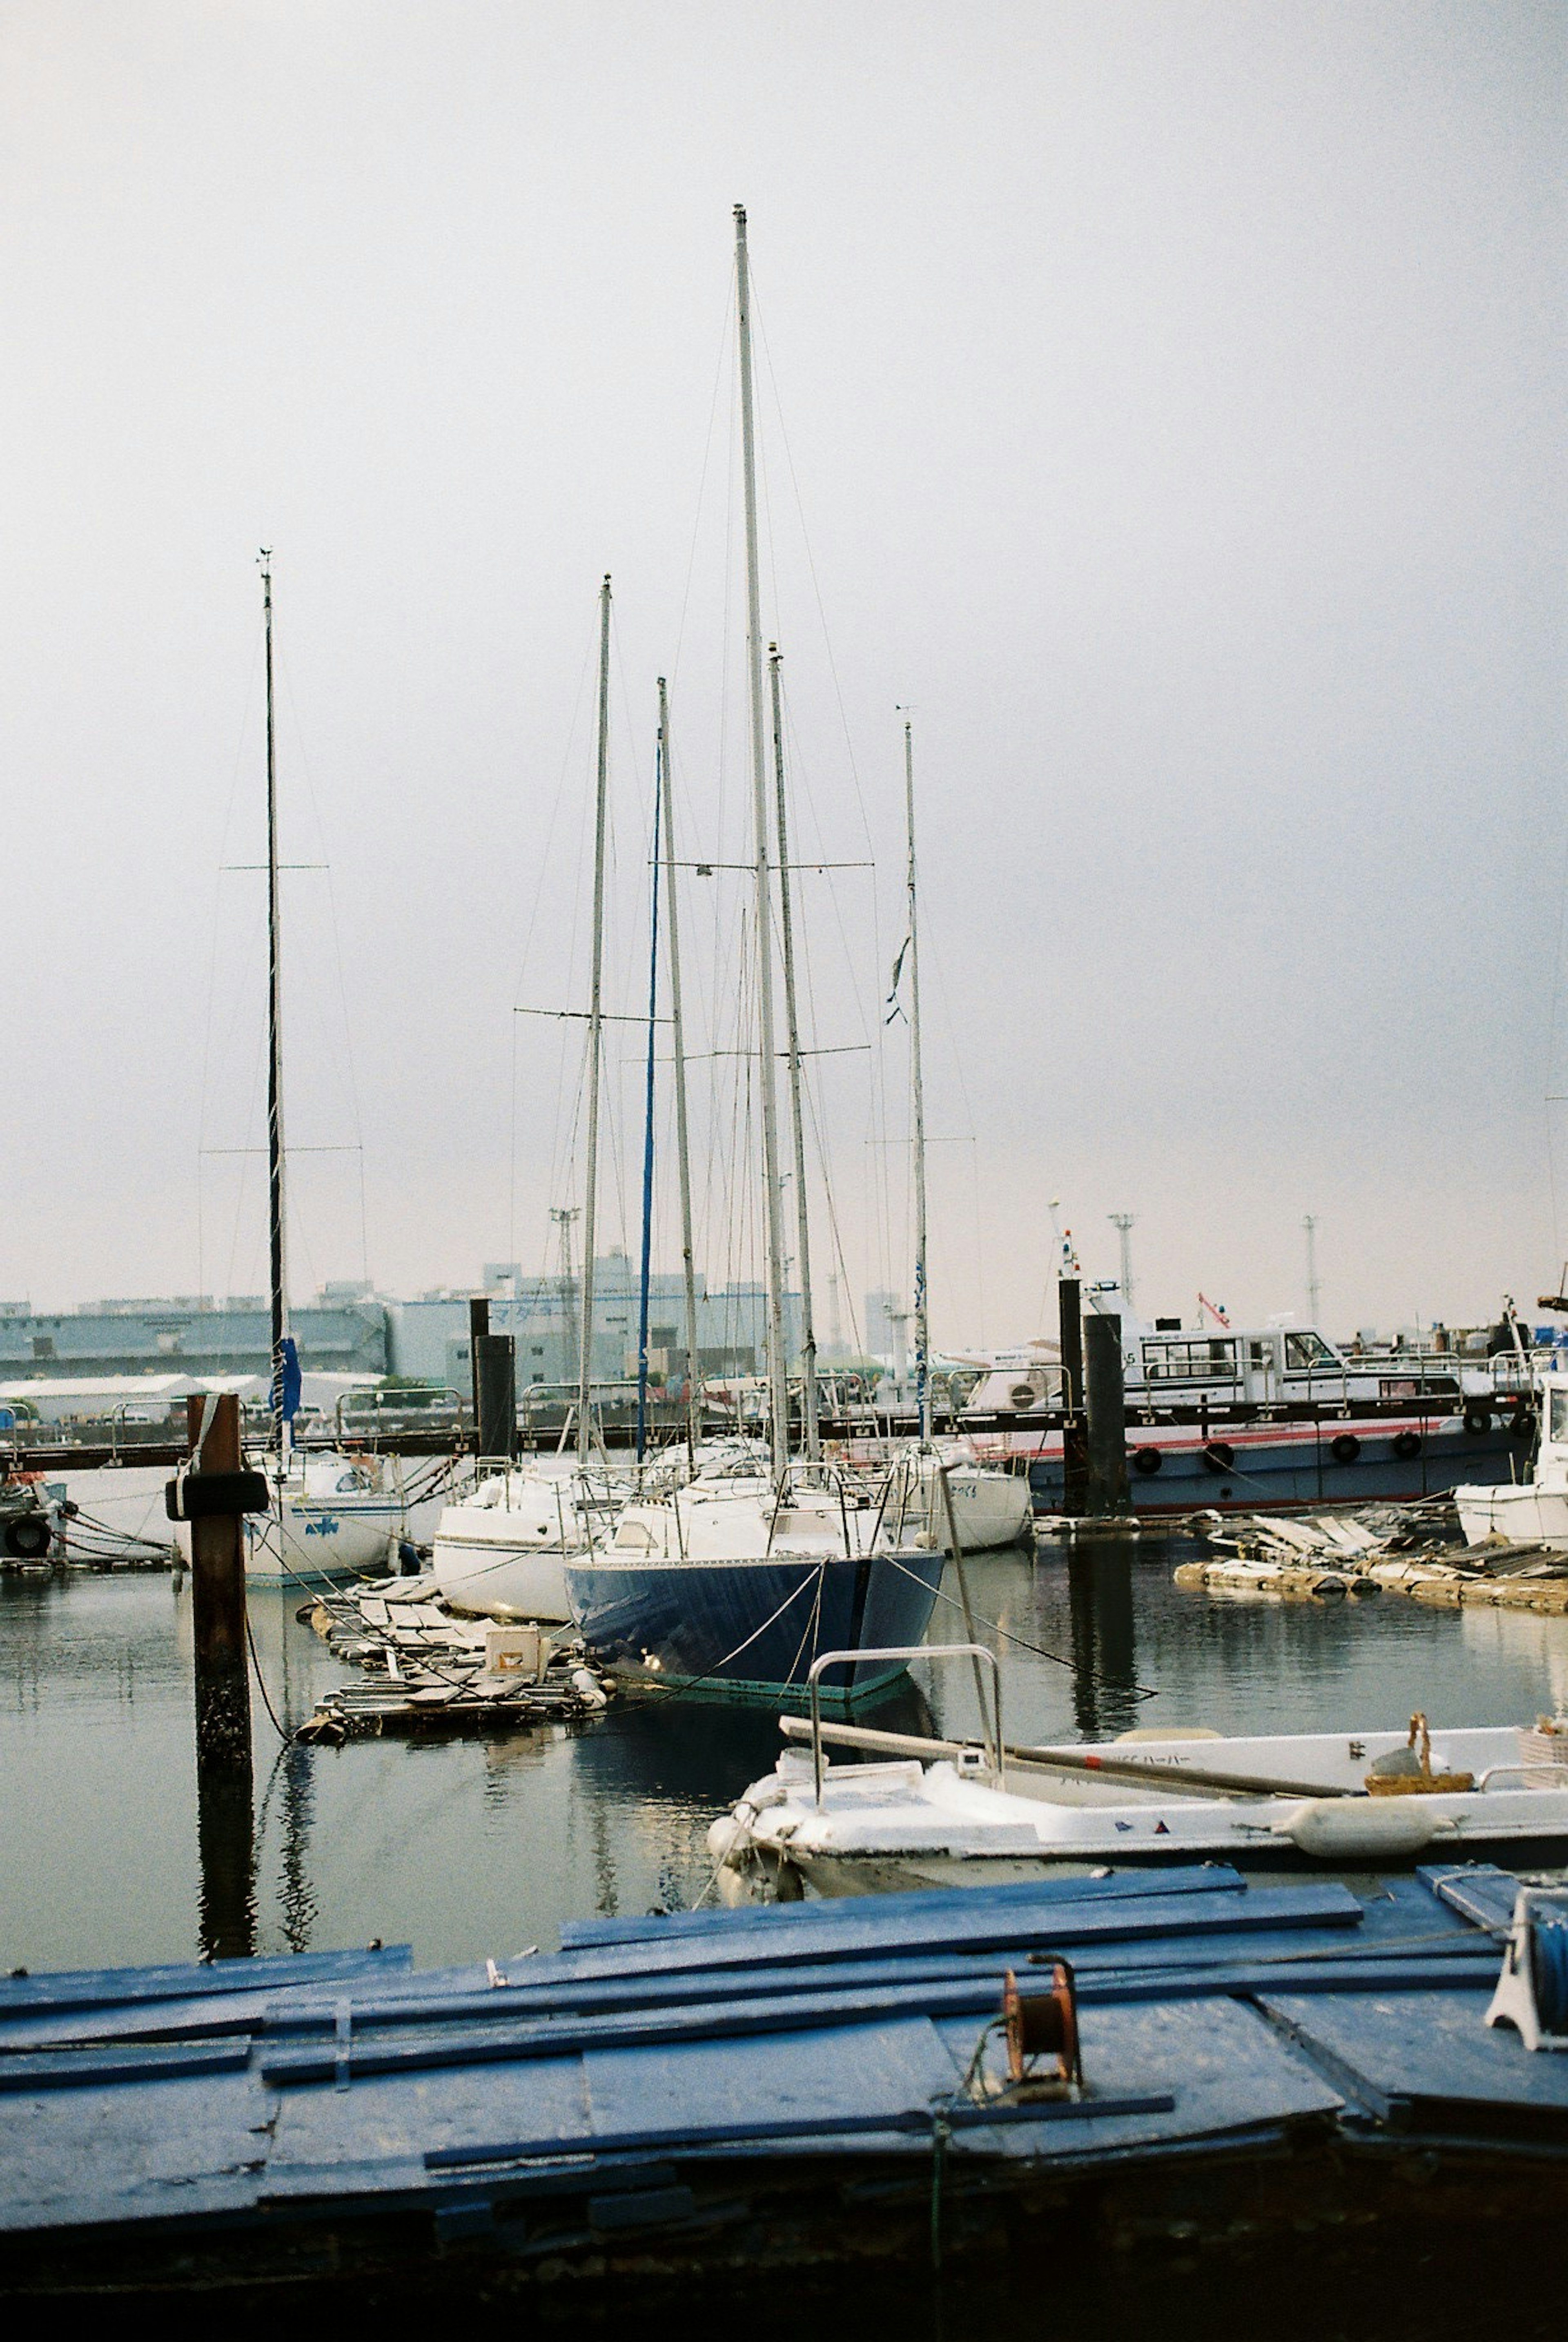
(1171, 390)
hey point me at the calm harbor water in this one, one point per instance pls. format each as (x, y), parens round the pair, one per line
(473, 1848)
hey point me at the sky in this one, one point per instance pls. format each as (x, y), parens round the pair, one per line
(1159, 400)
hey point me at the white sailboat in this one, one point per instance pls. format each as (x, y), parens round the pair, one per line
(739, 1582)
(333, 1516)
(986, 1508)
(502, 1552)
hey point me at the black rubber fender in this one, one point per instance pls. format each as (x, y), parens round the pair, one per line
(27, 1535)
(1147, 1460)
(1346, 1448)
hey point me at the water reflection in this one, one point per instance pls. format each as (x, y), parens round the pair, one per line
(1105, 1695)
(225, 1842)
(469, 1847)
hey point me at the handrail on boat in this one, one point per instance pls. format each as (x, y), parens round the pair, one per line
(1484, 1780)
(902, 1651)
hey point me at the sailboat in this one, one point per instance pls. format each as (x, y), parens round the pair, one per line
(741, 1580)
(333, 1516)
(981, 1507)
(502, 1552)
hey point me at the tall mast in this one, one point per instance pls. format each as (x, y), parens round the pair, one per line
(917, 1104)
(646, 1266)
(791, 1042)
(275, 1035)
(778, 1391)
(596, 1033)
(682, 1153)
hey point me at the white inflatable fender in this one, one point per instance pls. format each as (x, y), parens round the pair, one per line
(1336, 1829)
(731, 1833)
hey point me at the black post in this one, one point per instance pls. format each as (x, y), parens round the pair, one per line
(1107, 1491)
(496, 1381)
(225, 1787)
(478, 1327)
(1074, 1443)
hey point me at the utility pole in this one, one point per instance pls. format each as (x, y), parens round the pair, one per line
(1310, 1224)
(1122, 1223)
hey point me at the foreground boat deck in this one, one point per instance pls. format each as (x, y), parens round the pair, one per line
(712, 2092)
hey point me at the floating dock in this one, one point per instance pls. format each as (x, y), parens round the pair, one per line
(803, 2087)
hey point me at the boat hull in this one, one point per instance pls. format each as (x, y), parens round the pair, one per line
(752, 1628)
(1258, 1468)
(1525, 1515)
(485, 1578)
(835, 1876)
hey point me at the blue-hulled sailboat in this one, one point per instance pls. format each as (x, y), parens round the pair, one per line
(738, 1580)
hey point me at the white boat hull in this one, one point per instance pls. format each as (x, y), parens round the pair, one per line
(337, 1519)
(908, 1824)
(1527, 1515)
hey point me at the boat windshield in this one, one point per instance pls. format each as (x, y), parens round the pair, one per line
(1559, 1431)
(1307, 1353)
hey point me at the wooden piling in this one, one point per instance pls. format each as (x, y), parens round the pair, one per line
(225, 1781)
(1108, 1493)
(1074, 1439)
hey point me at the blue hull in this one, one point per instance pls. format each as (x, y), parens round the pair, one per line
(742, 1627)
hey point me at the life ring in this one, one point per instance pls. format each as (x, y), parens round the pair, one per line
(1477, 1419)
(1219, 1456)
(1345, 1449)
(1024, 1395)
(1147, 1459)
(1406, 1445)
(27, 1535)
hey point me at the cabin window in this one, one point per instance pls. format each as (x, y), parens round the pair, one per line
(1260, 1356)
(1559, 1415)
(1190, 1362)
(1308, 1353)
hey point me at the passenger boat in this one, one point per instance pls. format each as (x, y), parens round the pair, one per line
(1239, 1419)
(1350, 1801)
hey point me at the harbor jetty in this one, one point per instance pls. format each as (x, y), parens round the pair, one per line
(1127, 2060)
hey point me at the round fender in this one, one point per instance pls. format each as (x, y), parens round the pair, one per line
(1219, 1456)
(1406, 1445)
(1340, 1829)
(1146, 1460)
(1477, 1419)
(1521, 1425)
(1346, 1448)
(26, 1536)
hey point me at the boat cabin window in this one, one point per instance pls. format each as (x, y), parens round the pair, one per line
(1260, 1356)
(1308, 1353)
(1190, 1362)
(1559, 1430)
